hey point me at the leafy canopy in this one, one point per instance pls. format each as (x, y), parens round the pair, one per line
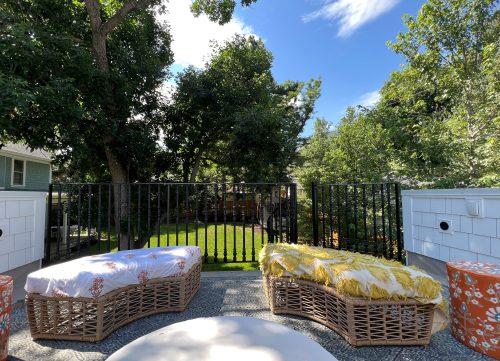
(441, 110)
(353, 151)
(54, 96)
(234, 115)
(220, 11)
(90, 95)
(437, 123)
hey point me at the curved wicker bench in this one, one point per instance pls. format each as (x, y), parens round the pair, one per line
(92, 319)
(360, 321)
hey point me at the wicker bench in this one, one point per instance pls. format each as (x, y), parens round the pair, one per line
(92, 319)
(88, 298)
(360, 321)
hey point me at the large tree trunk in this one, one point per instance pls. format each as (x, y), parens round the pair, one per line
(119, 176)
(121, 183)
(196, 168)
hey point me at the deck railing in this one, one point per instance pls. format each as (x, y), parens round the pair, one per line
(359, 217)
(230, 222)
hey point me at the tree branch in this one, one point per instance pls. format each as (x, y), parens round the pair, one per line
(94, 14)
(118, 17)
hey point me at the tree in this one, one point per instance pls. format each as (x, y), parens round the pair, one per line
(218, 10)
(266, 138)
(88, 76)
(437, 121)
(413, 113)
(82, 78)
(442, 108)
(233, 114)
(313, 155)
(360, 150)
(355, 150)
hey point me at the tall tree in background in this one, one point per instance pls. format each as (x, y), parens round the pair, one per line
(217, 10)
(234, 115)
(82, 78)
(442, 109)
(437, 123)
(355, 150)
(314, 164)
(413, 113)
(359, 150)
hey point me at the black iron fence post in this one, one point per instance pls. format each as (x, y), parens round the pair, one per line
(49, 224)
(314, 199)
(293, 213)
(398, 222)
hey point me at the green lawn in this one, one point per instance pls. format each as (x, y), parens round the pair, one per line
(168, 237)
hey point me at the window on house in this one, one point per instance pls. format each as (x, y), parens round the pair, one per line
(18, 172)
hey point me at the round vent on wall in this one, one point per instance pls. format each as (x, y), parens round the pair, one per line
(444, 226)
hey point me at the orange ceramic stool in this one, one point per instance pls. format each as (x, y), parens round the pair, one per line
(475, 305)
(6, 287)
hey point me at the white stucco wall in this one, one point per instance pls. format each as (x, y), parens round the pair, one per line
(475, 238)
(22, 221)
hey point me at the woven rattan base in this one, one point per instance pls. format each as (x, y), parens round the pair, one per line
(360, 321)
(92, 319)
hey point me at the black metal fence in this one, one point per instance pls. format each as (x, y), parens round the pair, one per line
(230, 222)
(363, 218)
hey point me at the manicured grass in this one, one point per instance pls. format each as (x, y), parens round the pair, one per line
(234, 244)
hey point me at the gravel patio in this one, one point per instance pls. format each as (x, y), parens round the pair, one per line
(226, 294)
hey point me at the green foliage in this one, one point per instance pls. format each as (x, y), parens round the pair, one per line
(413, 113)
(265, 138)
(441, 110)
(57, 94)
(54, 96)
(356, 150)
(360, 151)
(234, 115)
(217, 10)
(437, 123)
(314, 166)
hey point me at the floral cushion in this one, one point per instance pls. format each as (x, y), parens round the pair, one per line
(97, 275)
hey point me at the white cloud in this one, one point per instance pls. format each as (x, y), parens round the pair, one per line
(369, 99)
(192, 35)
(351, 14)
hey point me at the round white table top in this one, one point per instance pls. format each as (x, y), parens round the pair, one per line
(221, 339)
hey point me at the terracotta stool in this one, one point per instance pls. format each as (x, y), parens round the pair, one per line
(475, 305)
(6, 287)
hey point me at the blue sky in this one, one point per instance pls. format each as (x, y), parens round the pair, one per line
(342, 41)
(353, 66)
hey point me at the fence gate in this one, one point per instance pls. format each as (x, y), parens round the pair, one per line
(230, 222)
(364, 217)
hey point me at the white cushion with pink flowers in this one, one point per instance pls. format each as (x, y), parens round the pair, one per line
(97, 275)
